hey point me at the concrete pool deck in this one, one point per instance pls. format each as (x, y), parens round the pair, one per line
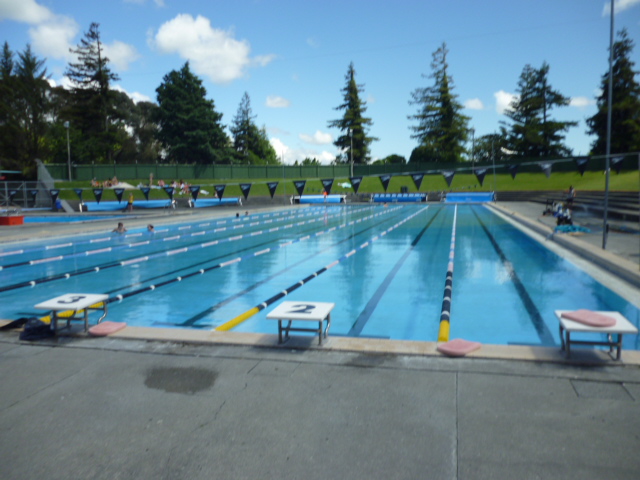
(159, 403)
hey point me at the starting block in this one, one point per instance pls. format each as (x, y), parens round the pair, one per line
(74, 306)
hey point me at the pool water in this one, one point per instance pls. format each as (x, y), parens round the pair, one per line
(383, 266)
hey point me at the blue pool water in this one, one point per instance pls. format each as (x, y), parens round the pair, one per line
(68, 218)
(383, 267)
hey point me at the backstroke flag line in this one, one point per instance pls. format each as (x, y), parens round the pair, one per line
(417, 179)
(327, 184)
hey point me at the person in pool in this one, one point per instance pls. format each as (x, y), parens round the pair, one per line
(120, 228)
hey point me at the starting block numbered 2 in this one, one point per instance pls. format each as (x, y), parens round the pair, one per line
(302, 311)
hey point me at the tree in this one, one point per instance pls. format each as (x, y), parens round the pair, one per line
(441, 128)
(393, 158)
(491, 147)
(23, 109)
(532, 132)
(251, 144)
(189, 126)
(625, 104)
(354, 142)
(241, 128)
(92, 105)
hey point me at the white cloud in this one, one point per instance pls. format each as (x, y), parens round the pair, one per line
(135, 96)
(159, 3)
(27, 11)
(618, 6)
(53, 38)
(274, 101)
(318, 138)
(65, 83)
(291, 155)
(121, 54)
(581, 102)
(474, 104)
(212, 52)
(312, 42)
(503, 100)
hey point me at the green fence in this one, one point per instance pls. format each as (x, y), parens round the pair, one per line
(254, 172)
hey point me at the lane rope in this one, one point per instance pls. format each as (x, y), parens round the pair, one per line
(445, 315)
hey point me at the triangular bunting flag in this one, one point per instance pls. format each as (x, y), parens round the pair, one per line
(480, 173)
(355, 183)
(327, 184)
(616, 163)
(54, 194)
(246, 188)
(12, 194)
(272, 188)
(219, 191)
(195, 190)
(34, 194)
(97, 192)
(299, 184)
(581, 163)
(145, 191)
(384, 179)
(546, 168)
(78, 193)
(169, 191)
(417, 179)
(118, 192)
(513, 170)
(448, 176)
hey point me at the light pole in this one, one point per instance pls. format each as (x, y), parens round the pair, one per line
(66, 125)
(473, 147)
(351, 149)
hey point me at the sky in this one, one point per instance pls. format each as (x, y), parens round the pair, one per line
(292, 56)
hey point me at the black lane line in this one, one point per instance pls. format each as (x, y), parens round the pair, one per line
(104, 266)
(190, 321)
(534, 314)
(365, 315)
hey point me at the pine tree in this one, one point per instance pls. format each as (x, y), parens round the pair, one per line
(23, 109)
(353, 141)
(190, 128)
(533, 133)
(242, 128)
(442, 128)
(92, 105)
(625, 116)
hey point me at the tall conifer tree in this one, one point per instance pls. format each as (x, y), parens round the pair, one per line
(625, 113)
(441, 128)
(532, 132)
(353, 141)
(92, 104)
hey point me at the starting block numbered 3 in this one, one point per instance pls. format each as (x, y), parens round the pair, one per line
(74, 306)
(302, 311)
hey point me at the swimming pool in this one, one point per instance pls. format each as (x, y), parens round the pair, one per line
(384, 268)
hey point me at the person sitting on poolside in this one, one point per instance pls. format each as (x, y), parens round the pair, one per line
(120, 228)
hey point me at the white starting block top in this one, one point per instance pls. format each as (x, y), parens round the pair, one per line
(305, 311)
(622, 325)
(312, 311)
(72, 301)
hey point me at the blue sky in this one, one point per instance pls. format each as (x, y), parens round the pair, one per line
(291, 57)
